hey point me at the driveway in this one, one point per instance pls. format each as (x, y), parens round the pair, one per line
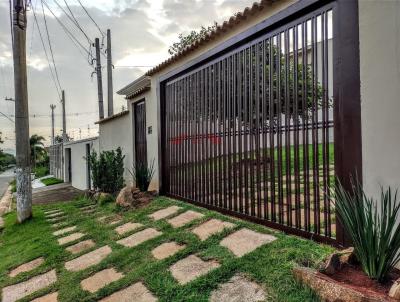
(5, 179)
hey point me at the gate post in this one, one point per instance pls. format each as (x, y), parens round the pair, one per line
(347, 111)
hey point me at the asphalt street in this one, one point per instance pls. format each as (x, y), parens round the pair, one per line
(5, 179)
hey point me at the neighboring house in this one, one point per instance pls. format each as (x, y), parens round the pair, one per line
(210, 114)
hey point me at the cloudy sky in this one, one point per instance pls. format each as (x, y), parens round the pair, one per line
(141, 31)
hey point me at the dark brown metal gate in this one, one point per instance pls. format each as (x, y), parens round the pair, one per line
(250, 133)
(140, 133)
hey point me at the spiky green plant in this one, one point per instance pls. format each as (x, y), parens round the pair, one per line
(142, 175)
(372, 225)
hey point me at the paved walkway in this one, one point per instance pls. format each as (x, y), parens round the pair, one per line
(55, 193)
(239, 241)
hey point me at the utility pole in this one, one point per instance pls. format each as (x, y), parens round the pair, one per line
(109, 75)
(64, 121)
(52, 107)
(99, 79)
(23, 170)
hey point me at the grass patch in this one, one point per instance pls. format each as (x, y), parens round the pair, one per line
(270, 265)
(51, 181)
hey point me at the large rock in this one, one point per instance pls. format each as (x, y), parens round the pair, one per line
(133, 197)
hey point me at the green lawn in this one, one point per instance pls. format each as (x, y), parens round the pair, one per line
(51, 181)
(269, 265)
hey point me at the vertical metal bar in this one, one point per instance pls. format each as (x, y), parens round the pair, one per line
(257, 128)
(288, 98)
(327, 106)
(264, 127)
(201, 141)
(235, 134)
(251, 128)
(305, 111)
(219, 101)
(296, 128)
(240, 125)
(272, 127)
(215, 137)
(229, 132)
(224, 137)
(279, 125)
(246, 125)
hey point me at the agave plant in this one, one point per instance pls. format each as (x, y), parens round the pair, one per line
(142, 175)
(372, 225)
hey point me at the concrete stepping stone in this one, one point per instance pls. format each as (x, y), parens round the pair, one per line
(115, 221)
(53, 297)
(211, 227)
(26, 267)
(134, 293)
(18, 291)
(102, 218)
(245, 241)
(89, 259)
(91, 206)
(184, 218)
(190, 268)
(59, 224)
(139, 237)
(100, 279)
(127, 227)
(164, 213)
(56, 219)
(81, 246)
(56, 214)
(52, 211)
(70, 238)
(64, 231)
(238, 289)
(166, 250)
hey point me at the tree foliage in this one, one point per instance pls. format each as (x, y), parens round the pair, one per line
(189, 39)
(107, 169)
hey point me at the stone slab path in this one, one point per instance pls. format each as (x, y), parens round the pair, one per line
(127, 227)
(70, 238)
(64, 231)
(89, 259)
(56, 219)
(190, 268)
(17, 291)
(100, 279)
(184, 218)
(211, 227)
(238, 289)
(53, 297)
(245, 241)
(139, 237)
(26, 267)
(134, 293)
(56, 214)
(166, 250)
(81, 246)
(164, 213)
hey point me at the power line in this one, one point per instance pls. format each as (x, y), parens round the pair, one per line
(50, 47)
(73, 20)
(101, 32)
(45, 52)
(74, 40)
(7, 117)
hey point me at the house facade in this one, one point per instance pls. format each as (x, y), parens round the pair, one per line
(259, 117)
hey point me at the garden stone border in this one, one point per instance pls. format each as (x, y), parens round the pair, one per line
(330, 290)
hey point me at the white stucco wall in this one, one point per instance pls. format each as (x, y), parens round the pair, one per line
(380, 93)
(78, 161)
(116, 133)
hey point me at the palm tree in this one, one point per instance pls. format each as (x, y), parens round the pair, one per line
(37, 147)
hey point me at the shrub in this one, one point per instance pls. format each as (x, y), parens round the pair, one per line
(41, 171)
(107, 170)
(373, 227)
(142, 175)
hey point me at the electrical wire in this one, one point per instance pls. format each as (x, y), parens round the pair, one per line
(74, 40)
(98, 27)
(50, 47)
(45, 52)
(7, 117)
